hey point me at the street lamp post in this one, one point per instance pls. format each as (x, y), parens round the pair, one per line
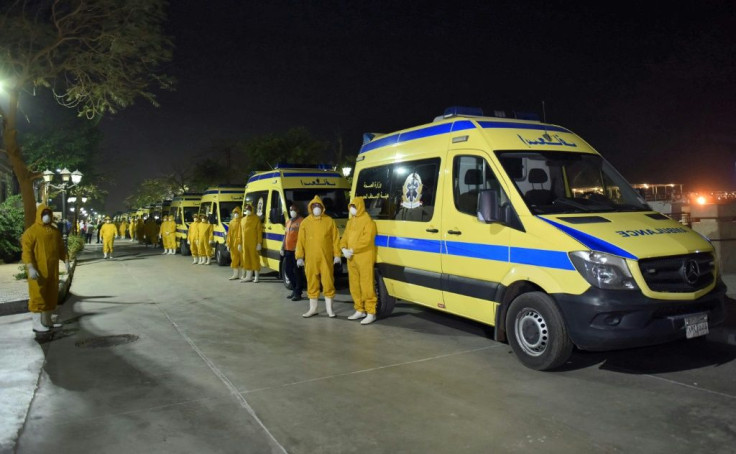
(66, 175)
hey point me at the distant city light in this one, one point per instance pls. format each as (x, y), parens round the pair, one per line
(700, 200)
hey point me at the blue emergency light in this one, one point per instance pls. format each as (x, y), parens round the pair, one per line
(461, 111)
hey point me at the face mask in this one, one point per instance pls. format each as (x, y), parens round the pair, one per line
(316, 211)
(292, 214)
(353, 211)
(235, 215)
(46, 219)
(247, 212)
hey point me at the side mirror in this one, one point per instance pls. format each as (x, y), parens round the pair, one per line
(489, 209)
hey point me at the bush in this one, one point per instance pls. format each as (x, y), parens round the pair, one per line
(23, 273)
(75, 244)
(12, 225)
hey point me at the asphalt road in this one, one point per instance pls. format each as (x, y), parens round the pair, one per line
(203, 364)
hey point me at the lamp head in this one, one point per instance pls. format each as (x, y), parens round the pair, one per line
(48, 176)
(76, 176)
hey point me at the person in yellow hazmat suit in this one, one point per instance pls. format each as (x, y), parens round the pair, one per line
(107, 233)
(318, 250)
(235, 245)
(358, 245)
(206, 235)
(193, 239)
(251, 234)
(43, 247)
(122, 228)
(131, 228)
(168, 235)
(140, 230)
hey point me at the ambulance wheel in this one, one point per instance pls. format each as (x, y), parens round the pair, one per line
(185, 248)
(386, 302)
(221, 255)
(537, 332)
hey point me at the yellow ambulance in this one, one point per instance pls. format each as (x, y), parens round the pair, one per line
(272, 192)
(183, 208)
(217, 204)
(523, 226)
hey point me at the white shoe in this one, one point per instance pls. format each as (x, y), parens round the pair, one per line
(207, 262)
(255, 277)
(328, 307)
(172, 251)
(166, 251)
(105, 255)
(38, 326)
(235, 275)
(312, 308)
(195, 261)
(370, 318)
(48, 321)
(201, 260)
(248, 276)
(357, 315)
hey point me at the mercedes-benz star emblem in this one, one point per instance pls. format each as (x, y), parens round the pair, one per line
(690, 272)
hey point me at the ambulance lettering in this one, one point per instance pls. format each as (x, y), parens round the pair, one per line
(646, 232)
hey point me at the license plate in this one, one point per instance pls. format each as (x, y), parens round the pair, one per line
(696, 325)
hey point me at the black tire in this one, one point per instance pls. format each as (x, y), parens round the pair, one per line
(537, 332)
(185, 248)
(385, 304)
(221, 255)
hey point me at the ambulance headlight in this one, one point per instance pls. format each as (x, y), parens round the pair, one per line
(602, 270)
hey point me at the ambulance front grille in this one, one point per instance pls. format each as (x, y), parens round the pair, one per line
(678, 274)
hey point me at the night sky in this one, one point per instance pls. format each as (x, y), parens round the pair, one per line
(651, 85)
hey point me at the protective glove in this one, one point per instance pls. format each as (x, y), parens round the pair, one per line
(258, 247)
(212, 243)
(189, 242)
(347, 253)
(227, 247)
(240, 248)
(300, 262)
(281, 252)
(32, 272)
(67, 266)
(337, 261)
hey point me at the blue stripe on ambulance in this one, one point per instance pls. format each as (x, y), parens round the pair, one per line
(523, 256)
(447, 128)
(595, 244)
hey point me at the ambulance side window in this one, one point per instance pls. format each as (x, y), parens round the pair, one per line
(413, 189)
(470, 175)
(403, 191)
(276, 211)
(258, 201)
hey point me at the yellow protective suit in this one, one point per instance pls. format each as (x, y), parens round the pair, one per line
(318, 244)
(193, 236)
(123, 228)
(205, 235)
(140, 230)
(251, 231)
(131, 229)
(168, 233)
(360, 236)
(107, 235)
(235, 240)
(43, 247)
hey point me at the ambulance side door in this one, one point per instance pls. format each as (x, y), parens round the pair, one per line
(402, 198)
(273, 230)
(475, 255)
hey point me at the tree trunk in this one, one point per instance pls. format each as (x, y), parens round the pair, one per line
(24, 175)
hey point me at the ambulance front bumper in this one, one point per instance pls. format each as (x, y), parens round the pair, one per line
(600, 320)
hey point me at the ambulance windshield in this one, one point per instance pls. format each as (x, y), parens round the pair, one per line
(335, 200)
(562, 182)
